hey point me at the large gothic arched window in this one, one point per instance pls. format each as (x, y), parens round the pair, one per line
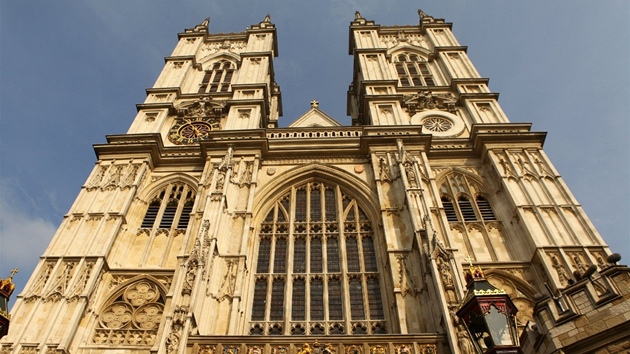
(316, 271)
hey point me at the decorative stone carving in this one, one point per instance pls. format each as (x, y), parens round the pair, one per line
(378, 349)
(427, 100)
(445, 273)
(246, 176)
(231, 349)
(427, 349)
(228, 284)
(405, 282)
(404, 349)
(132, 318)
(58, 287)
(81, 282)
(463, 342)
(97, 179)
(113, 179)
(281, 349)
(384, 173)
(255, 350)
(354, 349)
(28, 349)
(207, 349)
(204, 107)
(563, 276)
(578, 262)
(411, 174)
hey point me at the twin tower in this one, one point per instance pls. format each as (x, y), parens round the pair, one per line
(208, 229)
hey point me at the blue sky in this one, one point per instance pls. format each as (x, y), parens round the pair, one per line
(72, 72)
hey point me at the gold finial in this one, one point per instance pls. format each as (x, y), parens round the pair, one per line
(6, 285)
(473, 273)
(314, 104)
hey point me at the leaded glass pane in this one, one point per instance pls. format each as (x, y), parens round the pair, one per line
(331, 204)
(356, 299)
(299, 255)
(369, 255)
(374, 297)
(280, 256)
(332, 254)
(277, 300)
(264, 250)
(316, 204)
(260, 296)
(298, 300)
(352, 252)
(316, 255)
(317, 299)
(335, 298)
(300, 205)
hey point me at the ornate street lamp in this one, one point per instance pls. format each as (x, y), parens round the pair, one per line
(489, 316)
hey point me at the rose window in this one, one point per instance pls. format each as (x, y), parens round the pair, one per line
(437, 124)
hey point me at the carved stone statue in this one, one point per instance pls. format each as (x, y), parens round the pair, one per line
(464, 343)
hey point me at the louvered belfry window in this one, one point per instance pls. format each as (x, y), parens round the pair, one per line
(466, 208)
(316, 267)
(218, 78)
(412, 70)
(170, 208)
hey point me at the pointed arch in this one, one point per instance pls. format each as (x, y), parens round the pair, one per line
(207, 61)
(519, 290)
(151, 190)
(408, 48)
(356, 187)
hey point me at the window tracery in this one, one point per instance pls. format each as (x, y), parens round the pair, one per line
(132, 316)
(412, 70)
(218, 78)
(332, 285)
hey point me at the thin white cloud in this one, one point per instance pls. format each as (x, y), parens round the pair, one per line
(23, 237)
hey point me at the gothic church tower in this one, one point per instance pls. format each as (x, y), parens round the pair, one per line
(207, 229)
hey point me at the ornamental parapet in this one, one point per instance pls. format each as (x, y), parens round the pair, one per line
(373, 344)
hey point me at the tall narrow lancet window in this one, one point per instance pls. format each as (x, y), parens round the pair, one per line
(170, 208)
(413, 70)
(217, 78)
(317, 268)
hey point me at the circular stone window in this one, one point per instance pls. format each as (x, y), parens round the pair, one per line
(439, 123)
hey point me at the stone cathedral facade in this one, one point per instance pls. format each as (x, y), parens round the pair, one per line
(208, 229)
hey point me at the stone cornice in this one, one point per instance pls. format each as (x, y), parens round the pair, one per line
(326, 142)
